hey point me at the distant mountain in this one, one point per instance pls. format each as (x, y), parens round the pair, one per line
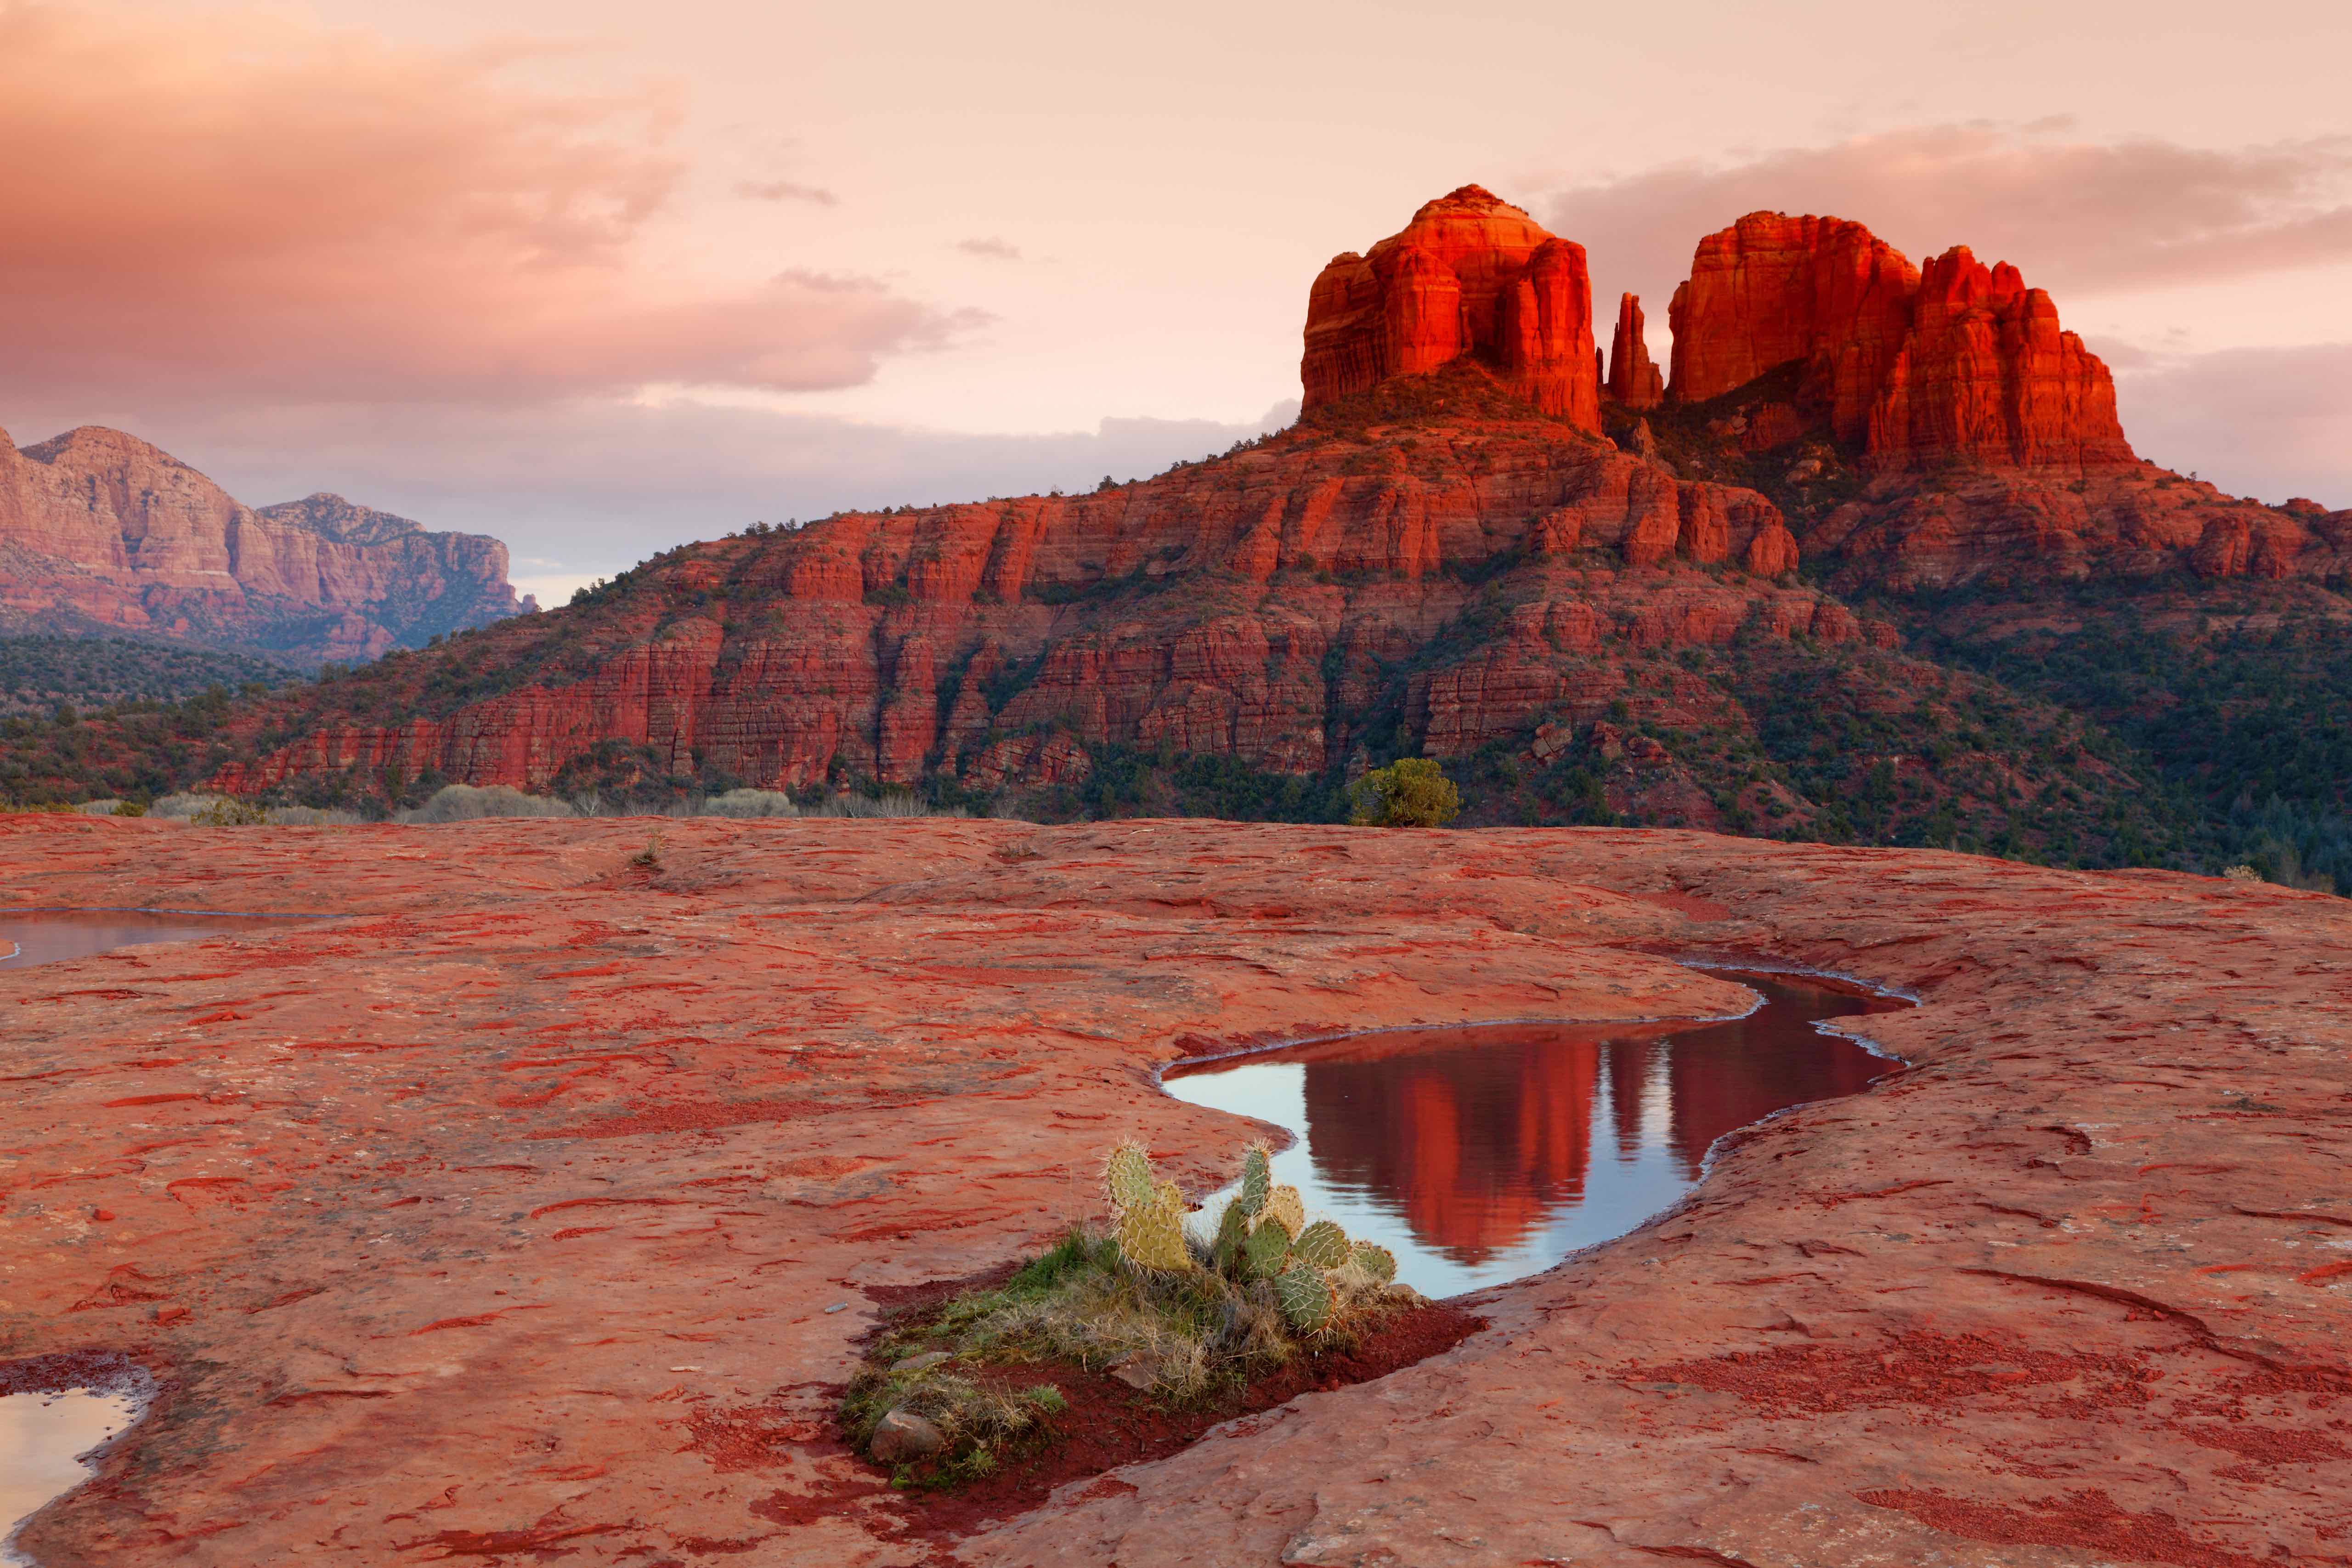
(101, 532)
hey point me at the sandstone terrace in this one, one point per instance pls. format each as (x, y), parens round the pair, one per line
(497, 1217)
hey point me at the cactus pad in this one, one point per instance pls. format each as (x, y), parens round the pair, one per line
(1257, 1179)
(1375, 1260)
(1265, 1249)
(1285, 1205)
(1127, 1178)
(1233, 1232)
(1305, 1296)
(1323, 1244)
(1151, 1235)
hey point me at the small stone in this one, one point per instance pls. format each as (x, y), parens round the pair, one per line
(902, 1436)
(923, 1362)
(1137, 1369)
(838, 1306)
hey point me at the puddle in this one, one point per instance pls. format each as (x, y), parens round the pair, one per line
(45, 1436)
(42, 936)
(1486, 1154)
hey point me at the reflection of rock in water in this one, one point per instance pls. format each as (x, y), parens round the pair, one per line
(1478, 1144)
(1732, 1074)
(1475, 1145)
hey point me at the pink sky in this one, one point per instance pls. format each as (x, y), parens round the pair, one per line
(598, 276)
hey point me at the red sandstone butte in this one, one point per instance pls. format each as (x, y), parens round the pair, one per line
(101, 531)
(1633, 378)
(1471, 276)
(494, 1216)
(1961, 362)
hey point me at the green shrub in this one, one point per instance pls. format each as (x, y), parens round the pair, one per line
(1411, 792)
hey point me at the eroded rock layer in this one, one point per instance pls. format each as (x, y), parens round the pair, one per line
(1916, 370)
(101, 531)
(500, 1218)
(1471, 277)
(1248, 608)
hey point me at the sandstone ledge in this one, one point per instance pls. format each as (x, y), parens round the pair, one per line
(497, 1219)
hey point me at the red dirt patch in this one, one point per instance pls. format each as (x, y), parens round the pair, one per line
(2083, 1521)
(1922, 1368)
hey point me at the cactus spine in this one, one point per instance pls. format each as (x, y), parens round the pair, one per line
(1265, 1250)
(1305, 1296)
(1323, 1244)
(1127, 1178)
(1284, 1207)
(1375, 1260)
(1152, 1235)
(1257, 1180)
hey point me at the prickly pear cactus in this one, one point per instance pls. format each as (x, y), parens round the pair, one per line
(1305, 1296)
(1257, 1179)
(1286, 1208)
(1151, 1234)
(1375, 1260)
(1233, 1232)
(1323, 1244)
(1265, 1250)
(1127, 1178)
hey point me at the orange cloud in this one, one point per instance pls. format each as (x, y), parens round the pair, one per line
(231, 206)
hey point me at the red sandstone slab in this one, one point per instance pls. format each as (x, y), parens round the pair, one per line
(497, 1218)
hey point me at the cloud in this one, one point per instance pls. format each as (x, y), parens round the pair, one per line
(2079, 218)
(995, 248)
(231, 206)
(785, 191)
(2268, 422)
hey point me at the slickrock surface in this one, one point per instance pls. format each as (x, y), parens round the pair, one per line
(496, 1220)
(101, 531)
(1471, 276)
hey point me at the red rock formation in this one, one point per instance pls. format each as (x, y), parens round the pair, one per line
(1963, 361)
(1998, 524)
(893, 646)
(102, 531)
(1772, 290)
(1471, 276)
(1986, 374)
(1633, 378)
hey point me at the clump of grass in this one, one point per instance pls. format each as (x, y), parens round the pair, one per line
(1195, 1325)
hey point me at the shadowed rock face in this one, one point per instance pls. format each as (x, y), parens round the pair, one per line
(1471, 277)
(101, 531)
(497, 1219)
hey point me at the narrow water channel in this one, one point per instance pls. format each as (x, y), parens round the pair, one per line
(1486, 1153)
(44, 936)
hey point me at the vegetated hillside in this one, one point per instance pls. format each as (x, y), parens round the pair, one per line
(1856, 574)
(38, 673)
